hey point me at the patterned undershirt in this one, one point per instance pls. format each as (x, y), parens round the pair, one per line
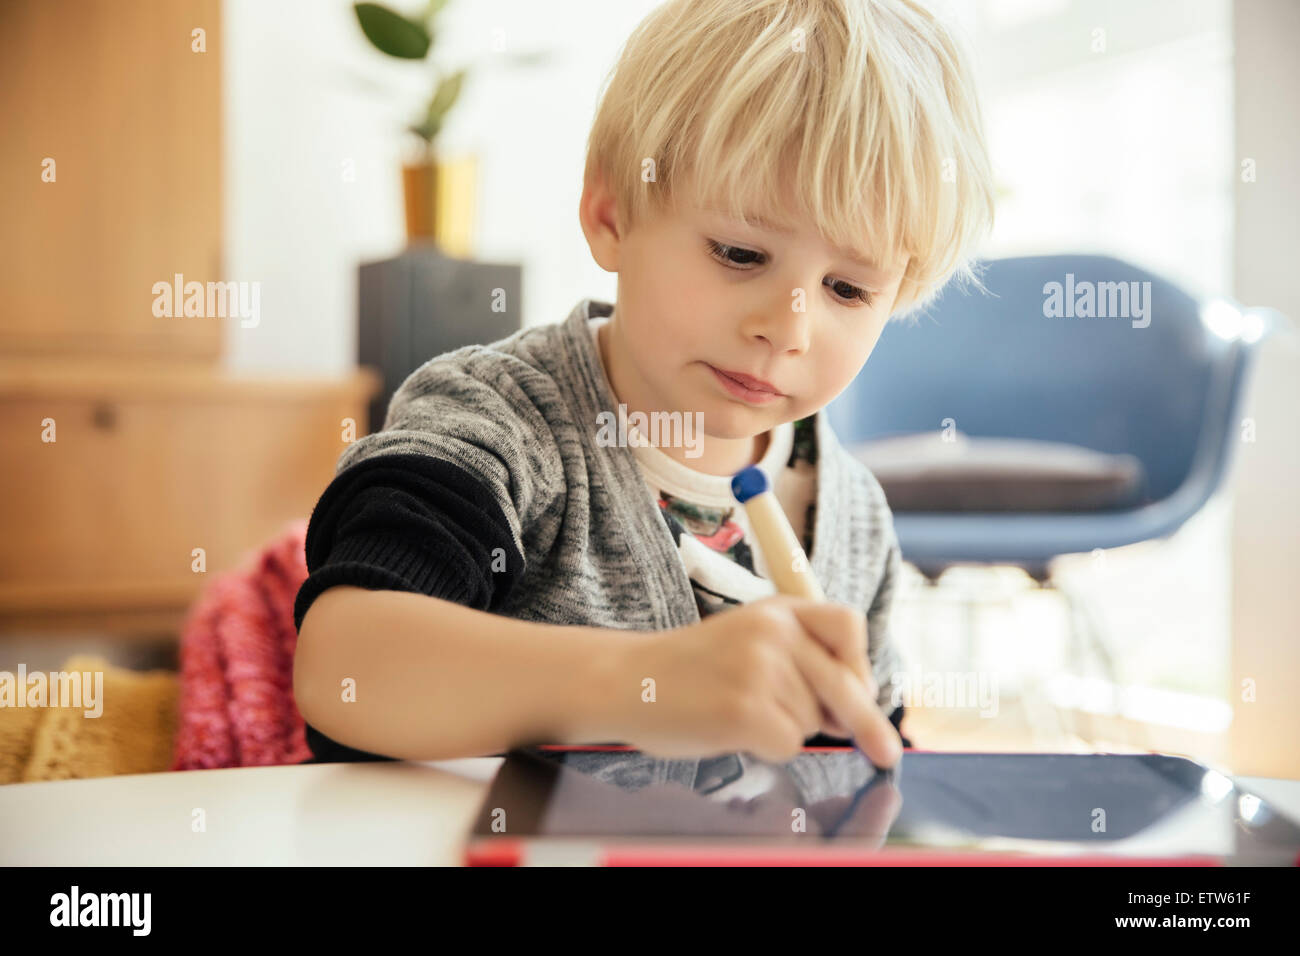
(710, 527)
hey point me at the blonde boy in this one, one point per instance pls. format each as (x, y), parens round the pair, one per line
(771, 180)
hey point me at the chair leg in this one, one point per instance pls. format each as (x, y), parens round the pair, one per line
(1086, 635)
(1076, 663)
(970, 619)
(1040, 714)
(1048, 724)
(1045, 724)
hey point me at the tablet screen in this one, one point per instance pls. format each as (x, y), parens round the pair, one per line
(1140, 804)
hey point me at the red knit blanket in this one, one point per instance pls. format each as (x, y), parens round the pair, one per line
(236, 664)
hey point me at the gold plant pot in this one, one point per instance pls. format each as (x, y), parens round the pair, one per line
(440, 198)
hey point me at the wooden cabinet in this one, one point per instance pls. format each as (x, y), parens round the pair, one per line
(115, 97)
(101, 524)
(111, 159)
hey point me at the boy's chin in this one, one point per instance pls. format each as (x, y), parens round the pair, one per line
(738, 424)
(729, 420)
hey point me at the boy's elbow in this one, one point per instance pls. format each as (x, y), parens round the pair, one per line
(305, 687)
(311, 653)
(306, 684)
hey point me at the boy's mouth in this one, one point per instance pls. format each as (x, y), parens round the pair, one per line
(746, 387)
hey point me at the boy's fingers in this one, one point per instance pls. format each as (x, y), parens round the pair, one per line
(843, 635)
(773, 726)
(794, 694)
(844, 695)
(831, 726)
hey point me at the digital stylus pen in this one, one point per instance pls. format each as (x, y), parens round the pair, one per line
(785, 559)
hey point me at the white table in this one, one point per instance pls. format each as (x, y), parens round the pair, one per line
(405, 814)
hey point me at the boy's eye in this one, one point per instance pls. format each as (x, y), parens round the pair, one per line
(854, 292)
(727, 255)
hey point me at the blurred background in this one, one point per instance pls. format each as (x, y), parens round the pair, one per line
(368, 190)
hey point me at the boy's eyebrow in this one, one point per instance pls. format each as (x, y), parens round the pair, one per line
(786, 231)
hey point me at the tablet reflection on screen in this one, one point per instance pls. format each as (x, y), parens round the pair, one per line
(1035, 802)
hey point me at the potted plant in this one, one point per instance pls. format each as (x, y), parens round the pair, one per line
(438, 191)
(412, 38)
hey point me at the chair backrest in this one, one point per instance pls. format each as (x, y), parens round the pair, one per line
(1020, 362)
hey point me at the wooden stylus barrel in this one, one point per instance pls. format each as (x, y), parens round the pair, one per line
(787, 565)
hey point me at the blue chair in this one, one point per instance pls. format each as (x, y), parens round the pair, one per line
(1169, 393)
(995, 365)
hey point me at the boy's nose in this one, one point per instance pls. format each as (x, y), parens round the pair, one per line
(787, 331)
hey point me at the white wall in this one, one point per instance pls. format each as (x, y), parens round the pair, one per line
(1127, 152)
(304, 92)
(1110, 129)
(1266, 503)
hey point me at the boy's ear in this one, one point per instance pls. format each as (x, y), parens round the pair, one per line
(598, 213)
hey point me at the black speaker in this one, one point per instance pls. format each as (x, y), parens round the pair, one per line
(423, 303)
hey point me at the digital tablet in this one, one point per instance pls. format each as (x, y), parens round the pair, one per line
(613, 805)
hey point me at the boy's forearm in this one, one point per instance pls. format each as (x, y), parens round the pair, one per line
(435, 680)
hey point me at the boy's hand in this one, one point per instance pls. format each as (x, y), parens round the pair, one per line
(762, 678)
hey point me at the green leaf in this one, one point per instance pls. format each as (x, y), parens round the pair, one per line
(424, 133)
(431, 12)
(444, 98)
(392, 33)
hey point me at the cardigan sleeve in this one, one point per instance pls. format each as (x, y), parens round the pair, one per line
(408, 522)
(442, 499)
(405, 522)
(485, 412)
(881, 648)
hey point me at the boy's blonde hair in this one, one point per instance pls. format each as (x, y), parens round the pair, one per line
(869, 104)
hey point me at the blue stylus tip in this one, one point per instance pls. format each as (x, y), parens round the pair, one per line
(748, 482)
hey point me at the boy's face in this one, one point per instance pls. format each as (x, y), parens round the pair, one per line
(701, 295)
